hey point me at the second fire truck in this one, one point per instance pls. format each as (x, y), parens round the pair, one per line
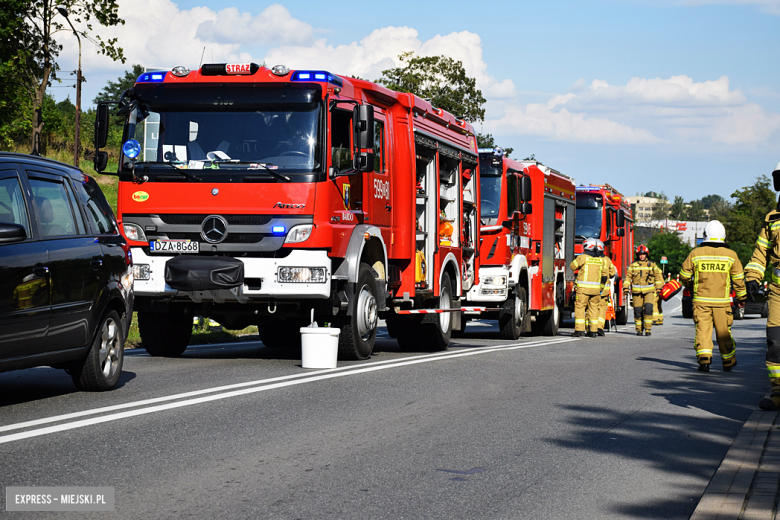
(527, 244)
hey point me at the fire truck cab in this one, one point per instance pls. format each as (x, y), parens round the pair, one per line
(603, 213)
(258, 196)
(527, 243)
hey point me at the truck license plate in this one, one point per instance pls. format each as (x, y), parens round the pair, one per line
(173, 246)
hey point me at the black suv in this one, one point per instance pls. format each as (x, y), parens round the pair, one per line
(66, 278)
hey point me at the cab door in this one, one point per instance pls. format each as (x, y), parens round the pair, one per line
(25, 304)
(379, 185)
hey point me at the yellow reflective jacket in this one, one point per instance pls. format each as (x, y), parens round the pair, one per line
(591, 271)
(611, 271)
(708, 269)
(767, 252)
(642, 278)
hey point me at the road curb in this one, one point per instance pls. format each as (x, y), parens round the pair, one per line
(738, 486)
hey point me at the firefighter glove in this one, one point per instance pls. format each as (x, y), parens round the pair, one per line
(752, 289)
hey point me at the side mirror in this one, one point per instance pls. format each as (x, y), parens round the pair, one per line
(525, 208)
(525, 190)
(363, 119)
(621, 232)
(101, 126)
(11, 232)
(101, 161)
(621, 219)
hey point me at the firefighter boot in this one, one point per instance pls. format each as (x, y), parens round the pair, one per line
(577, 334)
(591, 334)
(728, 366)
(771, 403)
(600, 332)
(704, 368)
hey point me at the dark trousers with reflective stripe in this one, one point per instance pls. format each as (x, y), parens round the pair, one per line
(643, 310)
(720, 318)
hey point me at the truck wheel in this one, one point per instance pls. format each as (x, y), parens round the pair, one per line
(408, 329)
(513, 320)
(553, 322)
(436, 336)
(765, 310)
(103, 365)
(166, 334)
(356, 340)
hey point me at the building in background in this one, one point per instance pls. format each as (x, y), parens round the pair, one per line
(642, 207)
(691, 232)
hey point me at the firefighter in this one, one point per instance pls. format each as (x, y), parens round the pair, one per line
(706, 272)
(767, 255)
(658, 310)
(591, 277)
(606, 294)
(641, 278)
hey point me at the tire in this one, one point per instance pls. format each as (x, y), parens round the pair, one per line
(512, 323)
(765, 310)
(103, 365)
(436, 336)
(551, 320)
(356, 340)
(166, 334)
(409, 332)
(738, 313)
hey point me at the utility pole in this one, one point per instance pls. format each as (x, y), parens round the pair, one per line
(77, 131)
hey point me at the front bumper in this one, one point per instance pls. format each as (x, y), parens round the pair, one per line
(260, 279)
(490, 293)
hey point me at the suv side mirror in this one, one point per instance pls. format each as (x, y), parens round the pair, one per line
(525, 189)
(11, 232)
(363, 120)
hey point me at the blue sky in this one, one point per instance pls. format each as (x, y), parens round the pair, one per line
(675, 96)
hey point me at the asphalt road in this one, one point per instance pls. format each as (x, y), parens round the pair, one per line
(616, 427)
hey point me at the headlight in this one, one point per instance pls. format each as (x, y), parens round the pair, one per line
(134, 232)
(494, 280)
(141, 272)
(299, 234)
(302, 275)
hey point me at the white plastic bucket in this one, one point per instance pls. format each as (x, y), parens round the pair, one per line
(319, 347)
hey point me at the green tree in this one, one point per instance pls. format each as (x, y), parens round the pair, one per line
(720, 210)
(669, 244)
(710, 200)
(35, 59)
(113, 89)
(660, 208)
(677, 210)
(695, 211)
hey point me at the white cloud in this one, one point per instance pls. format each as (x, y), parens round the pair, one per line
(274, 25)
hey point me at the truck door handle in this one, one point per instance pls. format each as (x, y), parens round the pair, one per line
(40, 271)
(96, 263)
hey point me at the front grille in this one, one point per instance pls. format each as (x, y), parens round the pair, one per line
(233, 220)
(232, 238)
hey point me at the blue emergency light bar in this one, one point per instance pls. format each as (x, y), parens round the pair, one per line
(316, 75)
(151, 77)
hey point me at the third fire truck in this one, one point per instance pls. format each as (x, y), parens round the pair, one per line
(603, 213)
(527, 244)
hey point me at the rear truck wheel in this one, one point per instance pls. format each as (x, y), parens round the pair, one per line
(514, 316)
(356, 340)
(553, 320)
(436, 335)
(392, 326)
(103, 365)
(166, 334)
(408, 329)
(765, 310)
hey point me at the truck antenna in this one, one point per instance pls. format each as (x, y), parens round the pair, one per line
(201, 56)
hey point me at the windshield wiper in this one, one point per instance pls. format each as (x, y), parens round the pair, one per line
(264, 167)
(182, 171)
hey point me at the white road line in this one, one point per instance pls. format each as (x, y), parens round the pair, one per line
(303, 378)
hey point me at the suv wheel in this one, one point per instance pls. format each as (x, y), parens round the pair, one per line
(103, 365)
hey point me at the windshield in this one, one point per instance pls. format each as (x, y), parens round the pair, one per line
(588, 220)
(490, 170)
(237, 127)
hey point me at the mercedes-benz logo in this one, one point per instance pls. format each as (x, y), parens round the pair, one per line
(214, 229)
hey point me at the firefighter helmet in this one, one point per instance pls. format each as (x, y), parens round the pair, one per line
(640, 250)
(714, 233)
(590, 244)
(776, 177)
(600, 245)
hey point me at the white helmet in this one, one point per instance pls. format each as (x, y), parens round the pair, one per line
(600, 245)
(777, 169)
(776, 177)
(590, 244)
(714, 233)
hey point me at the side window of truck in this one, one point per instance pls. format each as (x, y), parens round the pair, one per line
(511, 194)
(340, 139)
(379, 137)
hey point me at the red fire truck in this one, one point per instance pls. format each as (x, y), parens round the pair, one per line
(603, 213)
(258, 196)
(527, 236)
